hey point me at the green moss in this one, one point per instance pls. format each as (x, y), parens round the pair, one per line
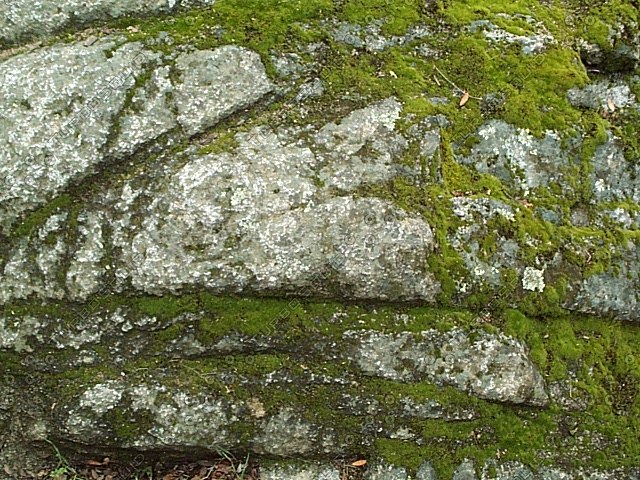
(626, 126)
(224, 143)
(395, 16)
(128, 425)
(40, 216)
(255, 24)
(170, 333)
(601, 354)
(165, 307)
(595, 25)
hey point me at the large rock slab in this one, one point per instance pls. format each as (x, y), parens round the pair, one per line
(258, 219)
(67, 109)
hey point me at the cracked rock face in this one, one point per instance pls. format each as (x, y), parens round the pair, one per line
(77, 94)
(262, 218)
(517, 157)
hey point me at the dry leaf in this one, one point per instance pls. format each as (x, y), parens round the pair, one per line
(393, 74)
(464, 99)
(359, 463)
(257, 408)
(94, 463)
(611, 105)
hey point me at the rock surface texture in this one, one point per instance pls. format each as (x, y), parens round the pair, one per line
(397, 230)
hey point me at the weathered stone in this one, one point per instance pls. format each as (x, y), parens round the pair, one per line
(599, 95)
(613, 177)
(24, 19)
(530, 44)
(385, 471)
(76, 92)
(466, 471)
(216, 83)
(452, 359)
(150, 212)
(299, 472)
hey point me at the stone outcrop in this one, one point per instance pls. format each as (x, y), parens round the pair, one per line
(408, 234)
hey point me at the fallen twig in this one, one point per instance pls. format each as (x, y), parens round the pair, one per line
(461, 90)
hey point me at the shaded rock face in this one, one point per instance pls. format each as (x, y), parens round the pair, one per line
(315, 244)
(161, 412)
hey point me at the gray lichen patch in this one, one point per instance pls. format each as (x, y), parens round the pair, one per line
(518, 158)
(613, 177)
(603, 95)
(531, 44)
(371, 38)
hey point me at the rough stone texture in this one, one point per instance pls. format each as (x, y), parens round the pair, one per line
(25, 19)
(338, 262)
(38, 159)
(77, 93)
(298, 472)
(215, 84)
(466, 471)
(493, 367)
(256, 220)
(615, 292)
(383, 471)
(452, 360)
